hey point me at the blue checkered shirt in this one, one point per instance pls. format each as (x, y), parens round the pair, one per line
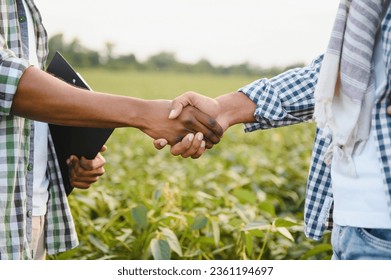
(289, 99)
(16, 135)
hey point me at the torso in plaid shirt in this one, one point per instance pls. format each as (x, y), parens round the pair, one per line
(15, 148)
(289, 99)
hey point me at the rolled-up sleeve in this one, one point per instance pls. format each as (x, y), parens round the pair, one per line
(11, 70)
(285, 99)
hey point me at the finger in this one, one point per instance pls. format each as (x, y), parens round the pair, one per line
(176, 109)
(78, 173)
(80, 178)
(91, 164)
(160, 143)
(182, 146)
(179, 103)
(72, 160)
(200, 151)
(208, 144)
(198, 121)
(194, 147)
(104, 149)
(215, 128)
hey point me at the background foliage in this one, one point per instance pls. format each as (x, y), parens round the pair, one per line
(243, 199)
(81, 56)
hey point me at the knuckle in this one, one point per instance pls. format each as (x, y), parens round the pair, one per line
(189, 121)
(88, 167)
(77, 172)
(177, 140)
(212, 122)
(208, 145)
(175, 152)
(213, 138)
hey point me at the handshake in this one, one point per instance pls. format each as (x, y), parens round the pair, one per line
(190, 123)
(196, 122)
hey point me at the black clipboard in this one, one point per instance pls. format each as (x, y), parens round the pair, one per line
(69, 140)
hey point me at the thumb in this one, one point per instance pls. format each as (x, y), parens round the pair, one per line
(179, 103)
(72, 161)
(176, 109)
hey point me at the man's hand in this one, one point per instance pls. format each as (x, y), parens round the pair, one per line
(191, 146)
(228, 110)
(201, 102)
(83, 172)
(158, 125)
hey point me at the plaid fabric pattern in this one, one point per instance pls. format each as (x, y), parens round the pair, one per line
(15, 190)
(288, 99)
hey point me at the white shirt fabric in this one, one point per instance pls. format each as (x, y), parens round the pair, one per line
(40, 180)
(361, 200)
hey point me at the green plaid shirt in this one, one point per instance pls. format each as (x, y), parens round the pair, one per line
(16, 147)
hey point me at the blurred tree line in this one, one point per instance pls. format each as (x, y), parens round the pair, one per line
(82, 57)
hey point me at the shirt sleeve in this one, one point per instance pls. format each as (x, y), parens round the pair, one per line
(285, 99)
(11, 69)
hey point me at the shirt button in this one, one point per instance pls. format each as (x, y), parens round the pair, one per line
(29, 214)
(22, 19)
(29, 167)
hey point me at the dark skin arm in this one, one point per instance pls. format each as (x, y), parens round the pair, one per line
(55, 101)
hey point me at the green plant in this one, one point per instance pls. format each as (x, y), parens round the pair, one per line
(243, 199)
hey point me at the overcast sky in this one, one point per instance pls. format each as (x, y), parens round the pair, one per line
(261, 32)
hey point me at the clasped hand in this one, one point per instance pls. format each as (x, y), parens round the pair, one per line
(194, 143)
(189, 124)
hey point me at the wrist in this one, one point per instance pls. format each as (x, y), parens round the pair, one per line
(236, 108)
(149, 113)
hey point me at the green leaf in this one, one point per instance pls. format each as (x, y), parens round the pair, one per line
(199, 222)
(268, 207)
(160, 249)
(279, 222)
(245, 196)
(139, 214)
(256, 226)
(322, 248)
(249, 244)
(172, 240)
(216, 232)
(127, 235)
(98, 244)
(285, 232)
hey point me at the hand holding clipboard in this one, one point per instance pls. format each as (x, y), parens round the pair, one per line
(69, 140)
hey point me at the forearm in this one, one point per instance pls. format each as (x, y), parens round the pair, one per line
(236, 108)
(43, 97)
